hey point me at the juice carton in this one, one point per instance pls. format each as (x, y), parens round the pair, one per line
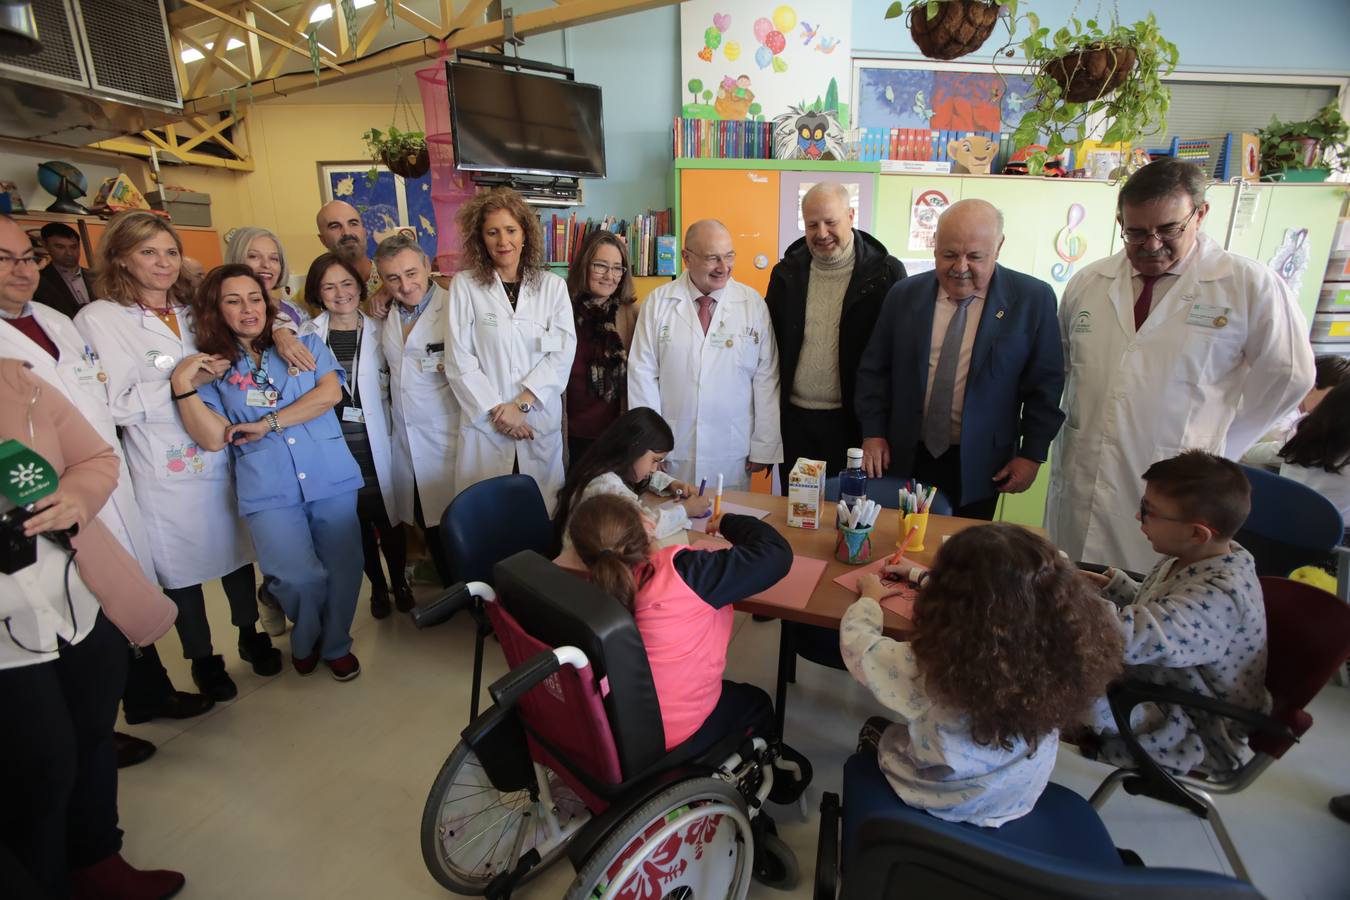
(806, 493)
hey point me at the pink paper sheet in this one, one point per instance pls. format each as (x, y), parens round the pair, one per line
(901, 602)
(793, 592)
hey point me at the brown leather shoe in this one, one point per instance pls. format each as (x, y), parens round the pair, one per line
(113, 878)
(131, 751)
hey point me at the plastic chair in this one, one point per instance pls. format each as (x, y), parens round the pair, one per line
(1059, 849)
(1291, 525)
(571, 759)
(1308, 640)
(483, 525)
(886, 492)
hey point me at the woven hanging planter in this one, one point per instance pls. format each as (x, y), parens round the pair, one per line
(409, 165)
(1092, 73)
(959, 27)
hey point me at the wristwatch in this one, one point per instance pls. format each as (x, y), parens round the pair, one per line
(523, 406)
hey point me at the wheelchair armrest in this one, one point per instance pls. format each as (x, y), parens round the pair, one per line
(827, 849)
(513, 685)
(443, 607)
(1129, 694)
(1158, 783)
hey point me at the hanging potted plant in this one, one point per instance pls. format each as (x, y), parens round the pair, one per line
(1094, 72)
(403, 152)
(1306, 151)
(946, 29)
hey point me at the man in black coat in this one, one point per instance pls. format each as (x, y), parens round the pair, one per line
(64, 285)
(824, 297)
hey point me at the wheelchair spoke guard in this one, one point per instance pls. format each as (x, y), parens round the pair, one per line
(472, 832)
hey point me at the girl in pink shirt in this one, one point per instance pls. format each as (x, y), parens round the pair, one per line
(681, 599)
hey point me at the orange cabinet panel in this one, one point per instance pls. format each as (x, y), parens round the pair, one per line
(746, 201)
(202, 244)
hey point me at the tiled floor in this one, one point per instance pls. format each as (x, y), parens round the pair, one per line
(310, 788)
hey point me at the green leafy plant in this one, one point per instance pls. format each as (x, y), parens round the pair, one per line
(1285, 145)
(404, 152)
(946, 29)
(1094, 71)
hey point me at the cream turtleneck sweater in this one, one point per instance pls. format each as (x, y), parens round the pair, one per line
(815, 385)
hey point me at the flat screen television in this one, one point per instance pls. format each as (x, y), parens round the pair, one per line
(525, 124)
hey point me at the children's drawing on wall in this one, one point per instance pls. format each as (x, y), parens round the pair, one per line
(1291, 259)
(387, 205)
(807, 134)
(1069, 246)
(742, 59)
(942, 101)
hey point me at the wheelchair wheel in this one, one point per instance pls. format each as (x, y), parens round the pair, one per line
(692, 841)
(471, 832)
(775, 863)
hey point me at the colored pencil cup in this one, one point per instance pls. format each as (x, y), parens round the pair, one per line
(910, 521)
(853, 545)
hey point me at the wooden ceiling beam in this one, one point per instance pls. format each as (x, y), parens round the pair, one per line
(469, 37)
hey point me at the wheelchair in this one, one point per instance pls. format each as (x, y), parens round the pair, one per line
(571, 759)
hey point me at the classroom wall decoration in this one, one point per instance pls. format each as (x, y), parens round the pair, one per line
(890, 97)
(387, 205)
(928, 204)
(767, 59)
(1291, 259)
(1070, 246)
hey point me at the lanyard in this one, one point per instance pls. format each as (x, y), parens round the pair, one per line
(351, 387)
(258, 374)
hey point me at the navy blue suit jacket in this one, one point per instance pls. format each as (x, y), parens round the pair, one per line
(1012, 389)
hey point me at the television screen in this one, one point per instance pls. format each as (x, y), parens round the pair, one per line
(526, 124)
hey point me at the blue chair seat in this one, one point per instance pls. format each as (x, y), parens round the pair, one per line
(1062, 823)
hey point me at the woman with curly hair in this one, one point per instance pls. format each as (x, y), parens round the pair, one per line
(509, 346)
(1009, 644)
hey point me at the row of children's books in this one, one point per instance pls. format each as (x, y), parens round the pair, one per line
(722, 139)
(646, 234)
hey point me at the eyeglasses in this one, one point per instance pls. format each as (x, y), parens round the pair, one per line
(7, 262)
(1145, 514)
(617, 270)
(713, 259)
(1165, 233)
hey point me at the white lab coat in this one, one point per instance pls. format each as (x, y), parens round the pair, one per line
(425, 416)
(372, 386)
(186, 494)
(84, 384)
(719, 391)
(494, 352)
(1132, 400)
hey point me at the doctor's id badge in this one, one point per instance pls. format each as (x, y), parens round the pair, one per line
(1211, 316)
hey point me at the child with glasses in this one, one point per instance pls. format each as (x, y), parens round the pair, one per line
(1196, 622)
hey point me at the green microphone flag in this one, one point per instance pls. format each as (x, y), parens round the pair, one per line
(25, 477)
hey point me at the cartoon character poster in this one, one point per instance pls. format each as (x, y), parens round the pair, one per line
(766, 60)
(941, 101)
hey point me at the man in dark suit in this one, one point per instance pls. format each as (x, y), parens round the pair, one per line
(824, 297)
(960, 384)
(64, 285)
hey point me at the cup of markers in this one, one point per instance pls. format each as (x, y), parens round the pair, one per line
(915, 502)
(853, 539)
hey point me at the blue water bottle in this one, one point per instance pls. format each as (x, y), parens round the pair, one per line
(853, 481)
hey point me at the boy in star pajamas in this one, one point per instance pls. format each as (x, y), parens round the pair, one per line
(1197, 622)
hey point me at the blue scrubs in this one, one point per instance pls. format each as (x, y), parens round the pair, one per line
(297, 493)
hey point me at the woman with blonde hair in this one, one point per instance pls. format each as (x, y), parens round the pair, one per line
(141, 328)
(509, 346)
(260, 250)
(604, 307)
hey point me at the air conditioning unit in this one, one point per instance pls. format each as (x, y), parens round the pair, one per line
(105, 69)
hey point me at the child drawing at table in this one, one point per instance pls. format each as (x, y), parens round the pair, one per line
(625, 461)
(1008, 645)
(681, 599)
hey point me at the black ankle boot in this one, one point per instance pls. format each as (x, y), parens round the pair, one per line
(208, 673)
(256, 648)
(403, 597)
(379, 601)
